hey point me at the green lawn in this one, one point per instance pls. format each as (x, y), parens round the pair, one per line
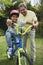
(3, 57)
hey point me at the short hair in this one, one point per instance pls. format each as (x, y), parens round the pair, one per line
(22, 5)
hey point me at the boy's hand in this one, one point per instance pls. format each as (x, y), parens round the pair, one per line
(9, 22)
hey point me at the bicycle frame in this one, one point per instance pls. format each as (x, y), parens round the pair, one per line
(19, 49)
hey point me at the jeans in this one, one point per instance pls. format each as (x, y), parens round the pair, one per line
(16, 37)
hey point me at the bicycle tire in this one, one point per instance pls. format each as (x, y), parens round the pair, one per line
(27, 60)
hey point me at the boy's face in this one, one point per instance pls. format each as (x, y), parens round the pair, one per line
(14, 18)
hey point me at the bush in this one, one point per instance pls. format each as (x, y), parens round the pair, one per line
(39, 31)
(2, 33)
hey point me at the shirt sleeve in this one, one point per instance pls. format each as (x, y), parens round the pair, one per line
(34, 17)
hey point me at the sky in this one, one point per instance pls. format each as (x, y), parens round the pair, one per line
(33, 2)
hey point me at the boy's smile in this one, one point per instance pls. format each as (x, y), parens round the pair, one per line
(14, 18)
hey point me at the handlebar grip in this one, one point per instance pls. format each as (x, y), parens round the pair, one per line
(32, 27)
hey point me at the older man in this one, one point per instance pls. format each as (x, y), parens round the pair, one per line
(27, 15)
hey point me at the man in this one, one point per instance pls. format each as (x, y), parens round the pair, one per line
(27, 15)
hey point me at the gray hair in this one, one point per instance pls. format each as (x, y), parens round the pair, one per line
(22, 5)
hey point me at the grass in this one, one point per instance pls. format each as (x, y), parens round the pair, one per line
(3, 57)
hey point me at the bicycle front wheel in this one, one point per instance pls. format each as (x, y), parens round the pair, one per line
(24, 59)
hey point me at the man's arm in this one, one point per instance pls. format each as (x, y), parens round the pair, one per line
(35, 24)
(35, 21)
(30, 23)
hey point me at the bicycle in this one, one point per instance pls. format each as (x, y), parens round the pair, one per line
(21, 56)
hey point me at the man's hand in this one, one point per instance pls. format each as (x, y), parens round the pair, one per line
(9, 22)
(35, 24)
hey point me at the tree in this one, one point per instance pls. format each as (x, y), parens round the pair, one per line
(41, 10)
(7, 4)
(5, 7)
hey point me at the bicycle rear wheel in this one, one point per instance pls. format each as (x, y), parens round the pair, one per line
(24, 59)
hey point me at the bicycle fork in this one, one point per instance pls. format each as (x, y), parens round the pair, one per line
(19, 59)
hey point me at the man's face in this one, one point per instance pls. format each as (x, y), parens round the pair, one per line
(23, 10)
(14, 18)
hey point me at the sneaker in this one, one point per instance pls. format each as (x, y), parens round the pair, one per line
(9, 52)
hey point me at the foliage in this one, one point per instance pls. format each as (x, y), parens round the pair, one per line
(3, 23)
(39, 30)
(30, 7)
(6, 4)
(2, 32)
(41, 10)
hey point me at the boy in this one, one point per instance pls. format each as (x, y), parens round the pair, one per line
(11, 31)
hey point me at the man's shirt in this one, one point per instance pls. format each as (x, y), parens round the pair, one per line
(30, 16)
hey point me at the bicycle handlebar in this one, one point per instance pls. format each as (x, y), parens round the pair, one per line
(23, 33)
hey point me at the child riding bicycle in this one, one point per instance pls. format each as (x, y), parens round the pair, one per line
(11, 31)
